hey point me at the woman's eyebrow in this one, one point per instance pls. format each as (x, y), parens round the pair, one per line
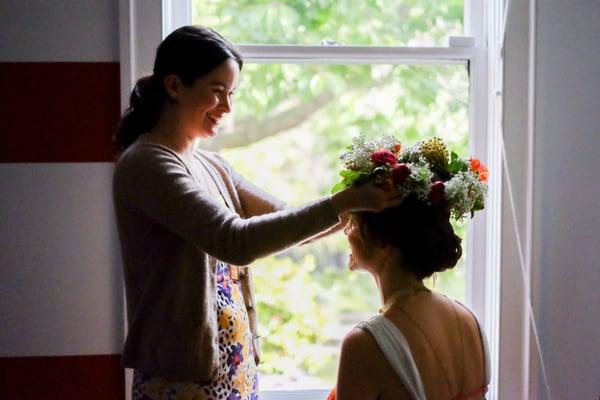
(232, 89)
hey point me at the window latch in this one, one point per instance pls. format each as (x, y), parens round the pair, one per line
(329, 42)
(461, 41)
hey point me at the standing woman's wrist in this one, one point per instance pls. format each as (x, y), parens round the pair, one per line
(340, 202)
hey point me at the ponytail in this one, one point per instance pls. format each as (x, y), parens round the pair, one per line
(144, 109)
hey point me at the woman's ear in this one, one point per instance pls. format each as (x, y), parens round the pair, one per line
(387, 254)
(173, 86)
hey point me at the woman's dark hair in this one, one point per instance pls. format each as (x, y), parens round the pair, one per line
(421, 232)
(188, 52)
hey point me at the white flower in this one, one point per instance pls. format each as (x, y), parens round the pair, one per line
(419, 180)
(462, 191)
(358, 158)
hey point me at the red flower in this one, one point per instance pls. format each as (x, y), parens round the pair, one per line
(381, 157)
(436, 196)
(479, 169)
(400, 173)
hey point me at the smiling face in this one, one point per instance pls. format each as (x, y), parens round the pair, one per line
(203, 105)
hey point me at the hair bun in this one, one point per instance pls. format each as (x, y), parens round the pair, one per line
(145, 89)
(422, 232)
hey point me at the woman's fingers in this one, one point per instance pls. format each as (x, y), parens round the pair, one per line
(367, 197)
(390, 198)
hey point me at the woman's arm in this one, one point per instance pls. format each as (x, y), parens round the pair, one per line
(256, 201)
(344, 218)
(357, 378)
(158, 185)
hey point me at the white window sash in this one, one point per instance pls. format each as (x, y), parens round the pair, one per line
(336, 54)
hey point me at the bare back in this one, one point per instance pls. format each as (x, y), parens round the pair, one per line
(446, 345)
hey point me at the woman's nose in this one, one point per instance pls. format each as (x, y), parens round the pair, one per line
(225, 103)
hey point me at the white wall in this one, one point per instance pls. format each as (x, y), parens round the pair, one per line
(59, 30)
(61, 297)
(513, 366)
(60, 276)
(566, 268)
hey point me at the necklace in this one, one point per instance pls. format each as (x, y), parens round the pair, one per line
(409, 291)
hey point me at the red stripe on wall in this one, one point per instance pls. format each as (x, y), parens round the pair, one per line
(58, 112)
(97, 377)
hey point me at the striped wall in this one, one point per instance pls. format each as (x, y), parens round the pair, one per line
(61, 297)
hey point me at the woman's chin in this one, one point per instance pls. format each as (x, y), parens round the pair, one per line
(208, 133)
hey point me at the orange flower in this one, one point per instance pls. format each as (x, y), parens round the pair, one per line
(480, 169)
(332, 394)
(397, 148)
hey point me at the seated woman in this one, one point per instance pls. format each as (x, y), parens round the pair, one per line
(422, 345)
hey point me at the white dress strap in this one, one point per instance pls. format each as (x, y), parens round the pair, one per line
(394, 346)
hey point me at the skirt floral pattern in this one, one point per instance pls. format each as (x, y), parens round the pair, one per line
(237, 376)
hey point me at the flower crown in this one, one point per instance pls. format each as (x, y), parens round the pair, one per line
(424, 170)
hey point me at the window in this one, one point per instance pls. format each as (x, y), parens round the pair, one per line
(289, 123)
(314, 76)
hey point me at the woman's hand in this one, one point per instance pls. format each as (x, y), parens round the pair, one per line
(366, 197)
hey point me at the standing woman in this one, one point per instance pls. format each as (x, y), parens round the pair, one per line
(186, 219)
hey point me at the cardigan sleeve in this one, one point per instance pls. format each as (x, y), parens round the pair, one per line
(254, 200)
(158, 184)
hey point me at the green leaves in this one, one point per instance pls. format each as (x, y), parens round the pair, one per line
(478, 205)
(350, 177)
(457, 164)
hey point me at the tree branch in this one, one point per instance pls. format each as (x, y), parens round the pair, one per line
(250, 130)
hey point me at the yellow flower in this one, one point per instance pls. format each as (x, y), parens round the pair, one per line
(246, 350)
(435, 152)
(238, 330)
(241, 383)
(236, 294)
(224, 318)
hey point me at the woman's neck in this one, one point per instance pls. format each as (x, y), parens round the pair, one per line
(171, 133)
(392, 279)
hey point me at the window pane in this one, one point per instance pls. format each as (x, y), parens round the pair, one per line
(289, 126)
(351, 22)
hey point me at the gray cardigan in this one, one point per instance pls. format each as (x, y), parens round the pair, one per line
(171, 232)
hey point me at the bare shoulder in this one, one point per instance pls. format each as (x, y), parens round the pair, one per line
(465, 315)
(359, 341)
(364, 371)
(357, 374)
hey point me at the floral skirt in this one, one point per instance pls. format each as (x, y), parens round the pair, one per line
(237, 376)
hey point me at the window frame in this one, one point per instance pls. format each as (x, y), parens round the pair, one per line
(143, 24)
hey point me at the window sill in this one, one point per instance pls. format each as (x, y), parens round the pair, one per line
(315, 394)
